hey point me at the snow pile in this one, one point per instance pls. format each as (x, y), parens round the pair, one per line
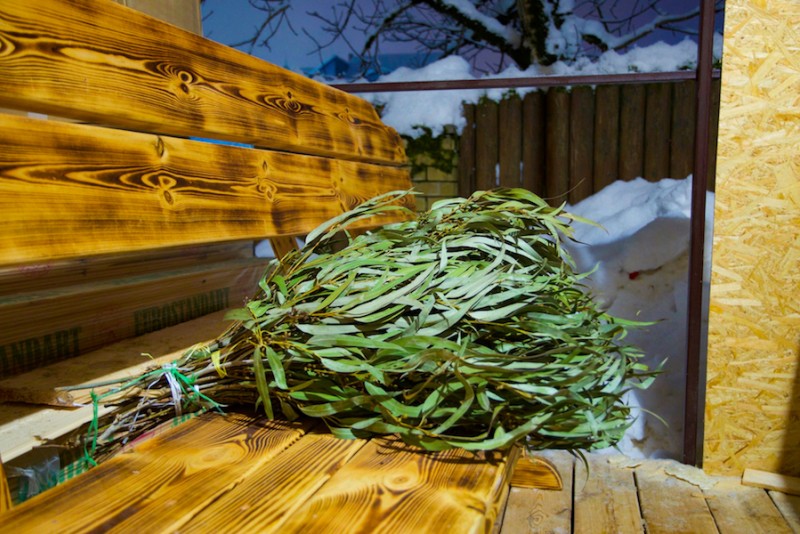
(641, 260)
(435, 109)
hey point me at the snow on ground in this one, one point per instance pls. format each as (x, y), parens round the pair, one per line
(641, 258)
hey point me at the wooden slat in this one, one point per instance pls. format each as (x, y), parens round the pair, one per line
(281, 246)
(605, 498)
(466, 154)
(5, 493)
(165, 481)
(606, 136)
(656, 131)
(50, 274)
(533, 142)
(23, 427)
(557, 146)
(104, 63)
(387, 487)
(738, 509)
(510, 141)
(681, 157)
(270, 495)
(123, 359)
(486, 149)
(110, 191)
(535, 510)
(57, 324)
(789, 506)
(581, 143)
(535, 471)
(631, 132)
(772, 481)
(672, 506)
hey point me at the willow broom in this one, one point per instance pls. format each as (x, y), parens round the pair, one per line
(464, 327)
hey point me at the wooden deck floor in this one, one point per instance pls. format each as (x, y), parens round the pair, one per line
(244, 473)
(620, 495)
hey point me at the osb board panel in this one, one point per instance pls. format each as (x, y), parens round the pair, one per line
(753, 400)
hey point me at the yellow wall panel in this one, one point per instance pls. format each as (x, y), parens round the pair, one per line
(753, 387)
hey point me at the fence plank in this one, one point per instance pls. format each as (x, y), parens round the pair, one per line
(656, 131)
(466, 154)
(631, 132)
(606, 136)
(557, 156)
(581, 143)
(509, 137)
(486, 145)
(533, 142)
(681, 155)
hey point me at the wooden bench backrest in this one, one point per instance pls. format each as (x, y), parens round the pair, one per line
(111, 192)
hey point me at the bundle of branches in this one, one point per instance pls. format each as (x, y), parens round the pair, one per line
(465, 327)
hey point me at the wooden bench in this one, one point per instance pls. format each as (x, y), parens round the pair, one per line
(122, 219)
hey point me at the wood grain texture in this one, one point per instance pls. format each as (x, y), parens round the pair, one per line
(605, 499)
(110, 191)
(24, 426)
(99, 62)
(388, 487)
(272, 493)
(738, 509)
(532, 471)
(581, 143)
(533, 142)
(57, 324)
(124, 359)
(684, 109)
(466, 153)
(789, 506)
(5, 494)
(606, 136)
(281, 246)
(672, 506)
(631, 132)
(557, 146)
(510, 141)
(486, 145)
(772, 481)
(535, 510)
(165, 481)
(49, 274)
(657, 131)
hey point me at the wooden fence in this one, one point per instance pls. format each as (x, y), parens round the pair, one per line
(566, 145)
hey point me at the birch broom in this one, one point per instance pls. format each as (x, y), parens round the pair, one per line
(463, 327)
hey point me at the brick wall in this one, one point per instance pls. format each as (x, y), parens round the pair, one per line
(432, 179)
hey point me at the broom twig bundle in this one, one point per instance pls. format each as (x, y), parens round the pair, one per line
(464, 327)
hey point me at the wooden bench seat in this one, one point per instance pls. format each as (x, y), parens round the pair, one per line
(244, 473)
